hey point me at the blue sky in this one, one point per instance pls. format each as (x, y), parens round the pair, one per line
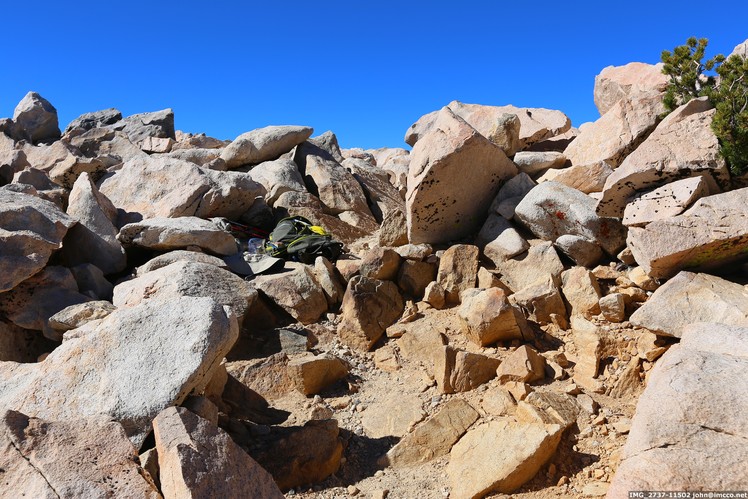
(365, 70)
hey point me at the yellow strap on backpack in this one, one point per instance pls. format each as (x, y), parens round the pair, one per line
(318, 230)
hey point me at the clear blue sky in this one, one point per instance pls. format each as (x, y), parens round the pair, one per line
(365, 70)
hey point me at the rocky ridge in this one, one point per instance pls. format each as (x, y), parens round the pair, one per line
(514, 330)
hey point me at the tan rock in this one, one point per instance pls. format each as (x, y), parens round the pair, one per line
(498, 402)
(459, 371)
(263, 144)
(584, 178)
(639, 277)
(682, 146)
(524, 365)
(369, 307)
(489, 317)
(581, 250)
(476, 469)
(198, 459)
(76, 315)
(52, 459)
(556, 408)
(394, 230)
(458, 269)
(664, 202)
(536, 162)
(172, 256)
(434, 437)
(627, 82)
(540, 301)
(613, 307)
(394, 416)
(441, 205)
(581, 290)
(157, 144)
(270, 376)
(387, 359)
(337, 187)
(689, 298)
(414, 276)
(166, 234)
(311, 374)
(618, 132)
(540, 261)
(500, 240)
(380, 263)
(701, 381)
(629, 384)
(297, 292)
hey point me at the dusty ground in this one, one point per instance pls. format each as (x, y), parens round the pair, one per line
(582, 466)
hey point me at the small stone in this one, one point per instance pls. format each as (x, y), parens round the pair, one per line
(613, 307)
(562, 481)
(353, 490)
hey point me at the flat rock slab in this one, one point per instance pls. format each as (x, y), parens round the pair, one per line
(198, 459)
(264, 144)
(129, 366)
(54, 459)
(710, 234)
(166, 234)
(664, 202)
(698, 443)
(688, 298)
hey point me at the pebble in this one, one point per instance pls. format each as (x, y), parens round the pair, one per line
(562, 481)
(353, 490)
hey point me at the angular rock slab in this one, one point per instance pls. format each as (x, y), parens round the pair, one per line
(369, 307)
(277, 177)
(682, 146)
(35, 119)
(454, 175)
(198, 459)
(711, 234)
(30, 230)
(499, 456)
(627, 82)
(130, 365)
(264, 144)
(54, 459)
(664, 202)
(698, 443)
(688, 298)
(166, 234)
(297, 292)
(553, 209)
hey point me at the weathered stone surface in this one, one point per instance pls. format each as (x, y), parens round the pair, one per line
(394, 230)
(279, 176)
(177, 255)
(613, 307)
(586, 178)
(91, 282)
(712, 233)
(500, 240)
(46, 459)
(30, 230)
(264, 144)
(151, 187)
(395, 161)
(433, 438)
(476, 469)
(524, 365)
(458, 269)
(330, 280)
(489, 317)
(157, 145)
(664, 202)
(75, 316)
(166, 234)
(62, 162)
(459, 371)
(540, 301)
(393, 417)
(593, 344)
(536, 124)
(688, 298)
(209, 158)
(311, 374)
(380, 263)
(198, 459)
(581, 250)
(138, 127)
(336, 187)
(627, 82)
(34, 301)
(301, 456)
(581, 290)
(554, 407)
(369, 307)
(184, 278)
(414, 276)
(383, 198)
(618, 132)
(510, 194)
(295, 291)
(127, 366)
(702, 383)
(552, 209)
(35, 119)
(540, 261)
(682, 146)
(435, 295)
(94, 238)
(454, 175)
(87, 121)
(533, 163)
(22, 345)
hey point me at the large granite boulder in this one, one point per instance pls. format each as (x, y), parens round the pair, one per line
(698, 443)
(454, 175)
(712, 233)
(627, 82)
(682, 146)
(264, 144)
(278, 176)
(128, 366)
(166, 234)
(139, 127)
(88, 121)
(35, 119)
(30, 230)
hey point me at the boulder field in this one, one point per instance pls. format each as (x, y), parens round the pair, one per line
(521, 307)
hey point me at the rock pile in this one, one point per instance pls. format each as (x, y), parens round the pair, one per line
(483, 333)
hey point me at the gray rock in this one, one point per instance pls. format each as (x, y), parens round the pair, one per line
(552, 209)
(138, 127)
(586, 178)
(664, 202)
(75, 316)
(263, 144)
(297, 292)
(127, 366)
(35, 119)
(177, 255)
(541, 260)
(95, 119)
(201, 157)
(500, 240)
(533, 163)
(580, 249)
(91, 282)
(279, 176)
(30, 230)
(455, 173)
(94, 239)
(383, 198)
(702, 383)
(166, 234)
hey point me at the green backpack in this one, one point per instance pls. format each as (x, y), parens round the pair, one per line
(296, 238)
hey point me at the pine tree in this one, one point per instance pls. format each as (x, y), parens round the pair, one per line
(685, 68)
(730, 123)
